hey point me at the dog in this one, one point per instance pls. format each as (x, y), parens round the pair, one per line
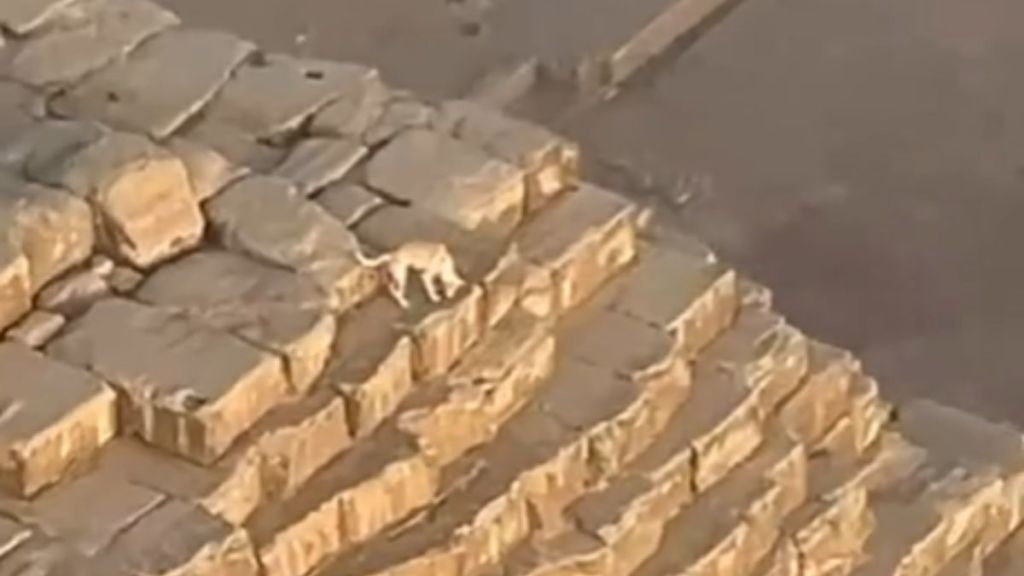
(432, 260)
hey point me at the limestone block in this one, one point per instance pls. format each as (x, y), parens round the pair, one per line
(38, 151)
(300, 547)
(574, 247)
(494, 529)
(691, 297)
(90, 511)
(764, 353)
(83, 38)
(274, 94)
(46, 556)
(181, 538)
(184, 387)
(400, 488)
(316, 162)
(278, 310)
(823, 398)
(209, 171)
(12, 535)
(371, 364)
(52, 418)
(491, 383)
(24, 16)
(124, 280)
(442, 334)
(158, 86)
(73, 294)
(15, 285)
(51, 228)
(550, 162)
(837, 535)
(266, 218)
(402, 112)
(142, 197)
(238, 148)
(356, 109)
(37, 328)
(457, 181)
(349, 203)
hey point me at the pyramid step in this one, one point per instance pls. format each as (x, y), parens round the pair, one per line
(396, 469)
(958, 494)
(1008, 558)
(615, 382)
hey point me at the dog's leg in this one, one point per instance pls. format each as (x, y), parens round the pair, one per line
(398, 282)
(429, 280)
(451, 280)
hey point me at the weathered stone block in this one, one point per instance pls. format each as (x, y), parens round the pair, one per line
(316, 162)
(349, 203)
(12, 535)
(267, 219)
(24, 16)
(181, 538)
(52, 229)
(300, 547)
(209, 171)
(36, 329)
(15, 285)
(83, 38)
(274, 94)
(401, 487)
(356, 109)
(52, 418)
(402, 112)
(183, 386)
(280, 311)
(457, 181)
(159, 86)
(823, 398)
(141, 194)
(74, 293)
(550, 163)
(692, 297)
(574, 247)
(233, 144)
(38, 151)
(442, 334)
(371, 364)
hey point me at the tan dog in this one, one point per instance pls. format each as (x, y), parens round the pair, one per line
(432, 260)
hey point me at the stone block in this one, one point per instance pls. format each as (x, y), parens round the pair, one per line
(457, 181)
(89, 512)
(491, 383)
(141, 194)
(209, 171)
(124, 280)
(38, 151)
(371, 364)
(691, 296)
(300, 547)
(574, 247)
(83, 38)
(441, 334)
(51, 228)
(15, 285)
(278, 310)
(823, 397)
(24, 16)
(237, 147)
(266, 218)
(181, 538)
(274, 94)
(314, 163)
(12, 535)
(402, 112)
(356, 109)
(73, 294)
(53, 417)
(183, 386)
(349, 203)
(36, 329)
(159, 86)
(550, 162)
(399, 489)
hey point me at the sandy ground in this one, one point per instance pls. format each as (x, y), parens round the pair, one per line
(865, 158)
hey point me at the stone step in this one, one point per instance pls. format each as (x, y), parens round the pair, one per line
(1008, 558)
(394, 469)
(965, 489)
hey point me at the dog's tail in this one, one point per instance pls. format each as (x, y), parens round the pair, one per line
(370, 261)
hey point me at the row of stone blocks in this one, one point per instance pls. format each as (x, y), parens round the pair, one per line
(210, 383)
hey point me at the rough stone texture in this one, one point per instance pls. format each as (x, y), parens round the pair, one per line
(209, 171)
(37, 328)
(52, 417)
(23, 16)
(276, 93)
(15, 286)
(349, 203)
(436, 172)
(160, 85)
(266, 218)
(154, 356)
(74, 293)
(141, 194)
(84, 37)
(316, 162)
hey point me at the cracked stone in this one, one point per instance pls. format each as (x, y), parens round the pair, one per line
(317, 162)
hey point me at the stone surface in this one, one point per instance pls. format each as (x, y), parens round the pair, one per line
(349, 203)
(37, 328)
(142, 196)
(12, 535)
(316, 162)
(73, 294)
(160, 85)
(83, 38)
(23, 16)
(180, 382)
(280, 311)
(436, 172)
(52, 418)
(15, 286)
(357, 108)
(276, 93)
(209, 171)
(266, 218)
